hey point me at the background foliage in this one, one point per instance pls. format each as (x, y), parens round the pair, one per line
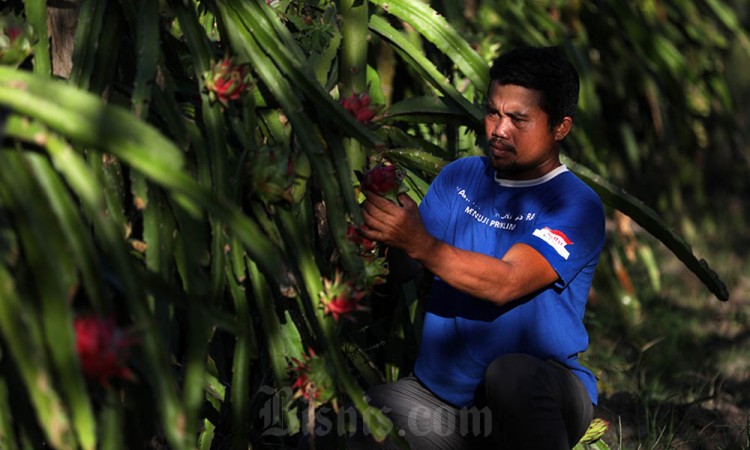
(208, 230)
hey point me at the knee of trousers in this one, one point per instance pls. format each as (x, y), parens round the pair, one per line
(511, 381)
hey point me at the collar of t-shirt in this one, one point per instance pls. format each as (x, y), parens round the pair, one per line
(534, 182)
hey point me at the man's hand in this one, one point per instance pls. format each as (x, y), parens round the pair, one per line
(522, 269)
(395, 225)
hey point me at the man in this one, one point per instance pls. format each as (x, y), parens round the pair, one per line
(513, 239)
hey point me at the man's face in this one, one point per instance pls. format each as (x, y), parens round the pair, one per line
(521, 145)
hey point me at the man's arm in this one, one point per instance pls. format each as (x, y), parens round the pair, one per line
(521, 271)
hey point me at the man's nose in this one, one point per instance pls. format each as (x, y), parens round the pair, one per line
(501, 128)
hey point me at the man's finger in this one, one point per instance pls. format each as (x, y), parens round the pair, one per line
(379, 201)
(405, 201)
(372, 221)
(366, 230)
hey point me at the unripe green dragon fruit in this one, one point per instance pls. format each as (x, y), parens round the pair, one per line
(595, 431)
(16, 40)
(226, 81)
(341, 298)
(313, 381)
(270, 175)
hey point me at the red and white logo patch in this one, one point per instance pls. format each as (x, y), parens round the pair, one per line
(556, 239)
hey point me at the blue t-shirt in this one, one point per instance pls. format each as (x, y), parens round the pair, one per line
(559, 216)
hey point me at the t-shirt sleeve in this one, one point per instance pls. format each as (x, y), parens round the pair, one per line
(570, 234)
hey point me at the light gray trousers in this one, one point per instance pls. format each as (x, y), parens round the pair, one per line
(523, 403)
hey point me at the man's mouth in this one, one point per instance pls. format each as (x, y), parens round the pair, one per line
(498, 149)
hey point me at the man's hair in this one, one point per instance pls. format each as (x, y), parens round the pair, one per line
(545, 69)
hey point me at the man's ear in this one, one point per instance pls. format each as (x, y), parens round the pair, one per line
(563, 128)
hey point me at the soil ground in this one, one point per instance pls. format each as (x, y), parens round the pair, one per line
(674, 364)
